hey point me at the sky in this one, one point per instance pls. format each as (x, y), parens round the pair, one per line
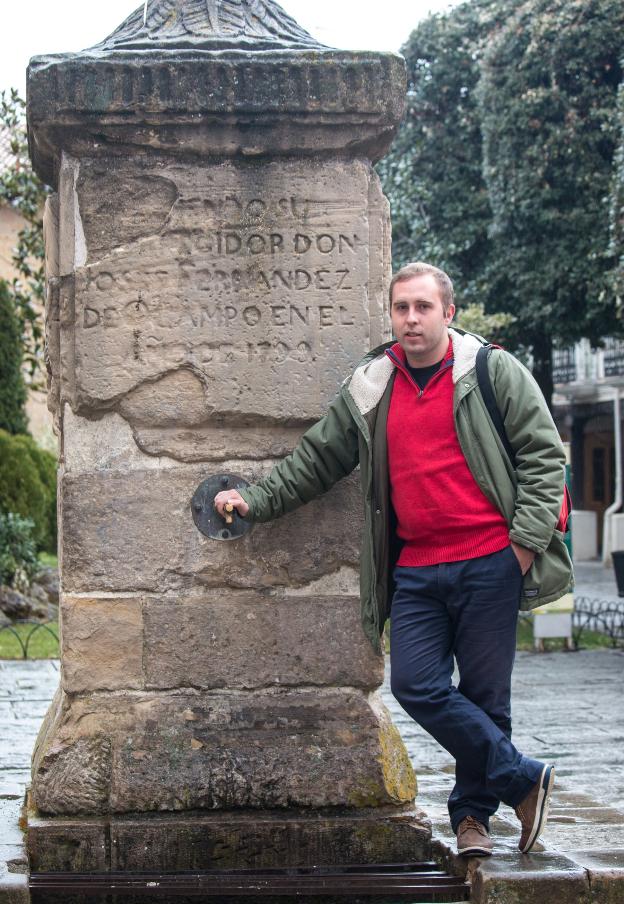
(34, 27)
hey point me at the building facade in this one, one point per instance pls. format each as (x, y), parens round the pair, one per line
(589, 385)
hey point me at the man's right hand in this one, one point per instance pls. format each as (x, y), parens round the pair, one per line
(233, 497)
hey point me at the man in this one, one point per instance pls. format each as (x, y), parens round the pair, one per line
(455, 536)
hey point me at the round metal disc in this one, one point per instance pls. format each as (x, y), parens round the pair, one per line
(206, 517)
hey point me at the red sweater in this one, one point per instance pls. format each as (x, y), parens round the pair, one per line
(442, 514)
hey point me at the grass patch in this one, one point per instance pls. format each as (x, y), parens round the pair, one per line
(48, 559)
(38, 640)
(590, 640)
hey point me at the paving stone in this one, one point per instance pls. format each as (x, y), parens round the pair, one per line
(606, 874)
(10, 832)
(13, 857)
(13, 888)
(529, 879)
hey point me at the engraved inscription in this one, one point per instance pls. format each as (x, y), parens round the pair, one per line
(234, 280)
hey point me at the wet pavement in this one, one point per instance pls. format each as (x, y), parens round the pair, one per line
(596, 582)
(568, 709)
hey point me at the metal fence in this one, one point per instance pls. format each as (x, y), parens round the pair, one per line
(604, 616)
(25, 637)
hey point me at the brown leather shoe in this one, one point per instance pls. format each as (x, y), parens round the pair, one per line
(473, 839)
(533, 811)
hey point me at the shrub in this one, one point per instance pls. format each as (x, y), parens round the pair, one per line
(12, 386)
(18, 553)
(45, 463)
(28, 486)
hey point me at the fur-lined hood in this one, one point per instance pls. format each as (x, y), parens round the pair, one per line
(370, 379)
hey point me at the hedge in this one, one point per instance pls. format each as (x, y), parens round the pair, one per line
(12, 386)
(28, 485)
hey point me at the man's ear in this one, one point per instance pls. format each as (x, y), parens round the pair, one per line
(449, 314)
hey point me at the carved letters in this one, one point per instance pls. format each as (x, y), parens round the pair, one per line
(233, 279)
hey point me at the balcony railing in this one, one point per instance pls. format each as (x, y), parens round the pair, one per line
(583, 363)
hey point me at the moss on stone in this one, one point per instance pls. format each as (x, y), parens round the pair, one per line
(399, 777)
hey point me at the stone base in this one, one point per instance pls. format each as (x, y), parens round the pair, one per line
(242, 840)
(185, 751)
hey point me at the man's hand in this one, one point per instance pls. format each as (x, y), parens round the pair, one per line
(233, 497)
(524, 556)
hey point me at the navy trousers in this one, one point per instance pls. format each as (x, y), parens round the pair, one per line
(467, 610)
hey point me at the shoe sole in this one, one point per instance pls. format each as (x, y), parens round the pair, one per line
(474, 852)
(547, 780)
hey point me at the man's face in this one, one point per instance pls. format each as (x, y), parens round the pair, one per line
(418, 319)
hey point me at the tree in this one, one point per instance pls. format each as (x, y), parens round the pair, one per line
(616, 247)
(547, 98)
(23, 190)
(502, 170)
(474, 319)
(12, 387)
(433, 173)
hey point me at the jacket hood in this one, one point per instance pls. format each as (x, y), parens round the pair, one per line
(371, 376)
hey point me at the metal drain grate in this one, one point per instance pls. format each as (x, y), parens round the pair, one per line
(415, 882)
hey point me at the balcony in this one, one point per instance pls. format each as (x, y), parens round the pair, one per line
(583, 364)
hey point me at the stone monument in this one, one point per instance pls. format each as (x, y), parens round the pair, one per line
(217, 257)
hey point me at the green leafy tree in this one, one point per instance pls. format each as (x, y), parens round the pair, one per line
(548, 96)
(494, 327)
(433, 174)
(502, 171)
(617, 210)
(12, 387)
(23, 190)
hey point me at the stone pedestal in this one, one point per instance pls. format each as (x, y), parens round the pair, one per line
(217, 256)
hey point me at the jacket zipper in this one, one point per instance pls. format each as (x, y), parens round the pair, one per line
(405, 371)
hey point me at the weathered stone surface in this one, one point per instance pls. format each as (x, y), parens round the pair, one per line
(65, 845)
(75, 778)
(102, 643)
(134, 531)
(605, 869)
(48, 578)
(16, 605)
(226, 24)
(275, 748)
(215, 639)
(14, 889)
(110, 443)
(244, 640)
(532, 879)
(225, 841)
(308, 103)
(238, 301)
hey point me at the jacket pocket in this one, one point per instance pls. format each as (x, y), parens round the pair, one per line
(550, 575)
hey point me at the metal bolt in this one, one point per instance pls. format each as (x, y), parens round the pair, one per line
(224, 481)
(198, 506)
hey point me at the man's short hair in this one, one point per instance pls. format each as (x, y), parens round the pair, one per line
(417, 269)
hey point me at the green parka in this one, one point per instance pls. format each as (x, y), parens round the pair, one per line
(354, 432)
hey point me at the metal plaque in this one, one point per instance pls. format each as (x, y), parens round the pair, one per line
(206, 517)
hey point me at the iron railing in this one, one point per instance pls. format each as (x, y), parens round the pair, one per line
(24, 638)
(604, 616)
